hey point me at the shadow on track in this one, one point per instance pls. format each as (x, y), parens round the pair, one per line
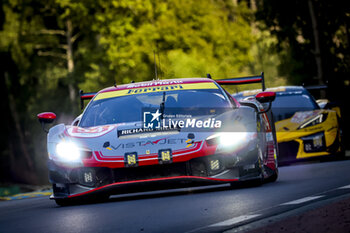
(162, 193)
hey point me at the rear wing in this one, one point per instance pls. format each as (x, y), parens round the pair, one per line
(242, 80)
(85, 96)
(316, 87)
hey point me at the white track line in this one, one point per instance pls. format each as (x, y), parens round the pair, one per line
(345, 187)
(235, 220)
(302, 200)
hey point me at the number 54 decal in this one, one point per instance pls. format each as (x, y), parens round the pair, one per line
(165, 156)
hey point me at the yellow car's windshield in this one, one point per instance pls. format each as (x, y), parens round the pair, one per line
(285, 106)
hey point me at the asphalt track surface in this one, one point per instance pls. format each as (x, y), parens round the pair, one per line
(210, 209)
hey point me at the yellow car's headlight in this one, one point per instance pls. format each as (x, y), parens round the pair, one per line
(314, 121)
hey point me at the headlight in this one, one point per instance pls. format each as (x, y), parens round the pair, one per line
(68, 151)
(229, 141)
(314, 121)
(232, 139)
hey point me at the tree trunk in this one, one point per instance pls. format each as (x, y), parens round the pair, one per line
(317, 50)
(253, 5)
(16, 120)
(253, 24)
(70, 61)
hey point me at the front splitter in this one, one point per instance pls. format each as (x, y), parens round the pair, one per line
(149, 185)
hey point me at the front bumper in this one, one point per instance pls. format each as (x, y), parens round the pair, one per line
(214, 169)
(314, 145)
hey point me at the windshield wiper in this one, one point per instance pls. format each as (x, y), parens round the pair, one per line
(162, 106)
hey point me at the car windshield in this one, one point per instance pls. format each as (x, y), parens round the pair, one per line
(130, 108)
(284, 106)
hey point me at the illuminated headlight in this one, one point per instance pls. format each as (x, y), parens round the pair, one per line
(229, 141)
(68, 151)
(314, 121)
(232, 139)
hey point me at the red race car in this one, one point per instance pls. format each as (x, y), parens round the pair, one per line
(162, 134)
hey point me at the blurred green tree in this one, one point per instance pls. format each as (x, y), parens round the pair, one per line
(54, 48)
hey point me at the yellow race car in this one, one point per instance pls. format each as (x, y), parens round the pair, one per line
(305, 128)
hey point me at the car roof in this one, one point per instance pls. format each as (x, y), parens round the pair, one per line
(282, 90)
(153, 83)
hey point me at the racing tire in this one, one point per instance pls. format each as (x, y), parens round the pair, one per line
(64, 202)
(99, 198)
(247, 183)
(86, 200)
(273, 177)
(341, 154)
(256, 182)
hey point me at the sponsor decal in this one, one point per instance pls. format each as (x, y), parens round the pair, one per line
(251, 92)
(151, 89)
(162, 141)
(277, 89)
(154, 89)
(267, 123)
(214, 164)
(106, 145)
(189, 142)
(148, 84)
(153, 120)
(126, 132)
(131, 159)
(269, 136)
(165, 156)
(89, 132)
(273, 89)
(290, 93)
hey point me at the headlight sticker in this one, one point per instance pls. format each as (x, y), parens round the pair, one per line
(300, 117)
(90, 132)
(314, 121)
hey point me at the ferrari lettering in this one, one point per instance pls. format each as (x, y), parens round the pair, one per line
(151, 89)
(155, 89)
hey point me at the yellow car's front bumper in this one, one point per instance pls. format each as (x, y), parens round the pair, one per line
(318, 140)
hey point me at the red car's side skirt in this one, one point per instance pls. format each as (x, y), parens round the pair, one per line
(189, 178)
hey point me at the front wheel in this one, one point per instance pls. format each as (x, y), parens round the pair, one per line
(64, 202)
(274, 176)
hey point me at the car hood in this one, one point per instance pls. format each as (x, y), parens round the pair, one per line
(288, 129)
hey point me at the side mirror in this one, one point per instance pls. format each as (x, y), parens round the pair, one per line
(265, 97)
(46, 118)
